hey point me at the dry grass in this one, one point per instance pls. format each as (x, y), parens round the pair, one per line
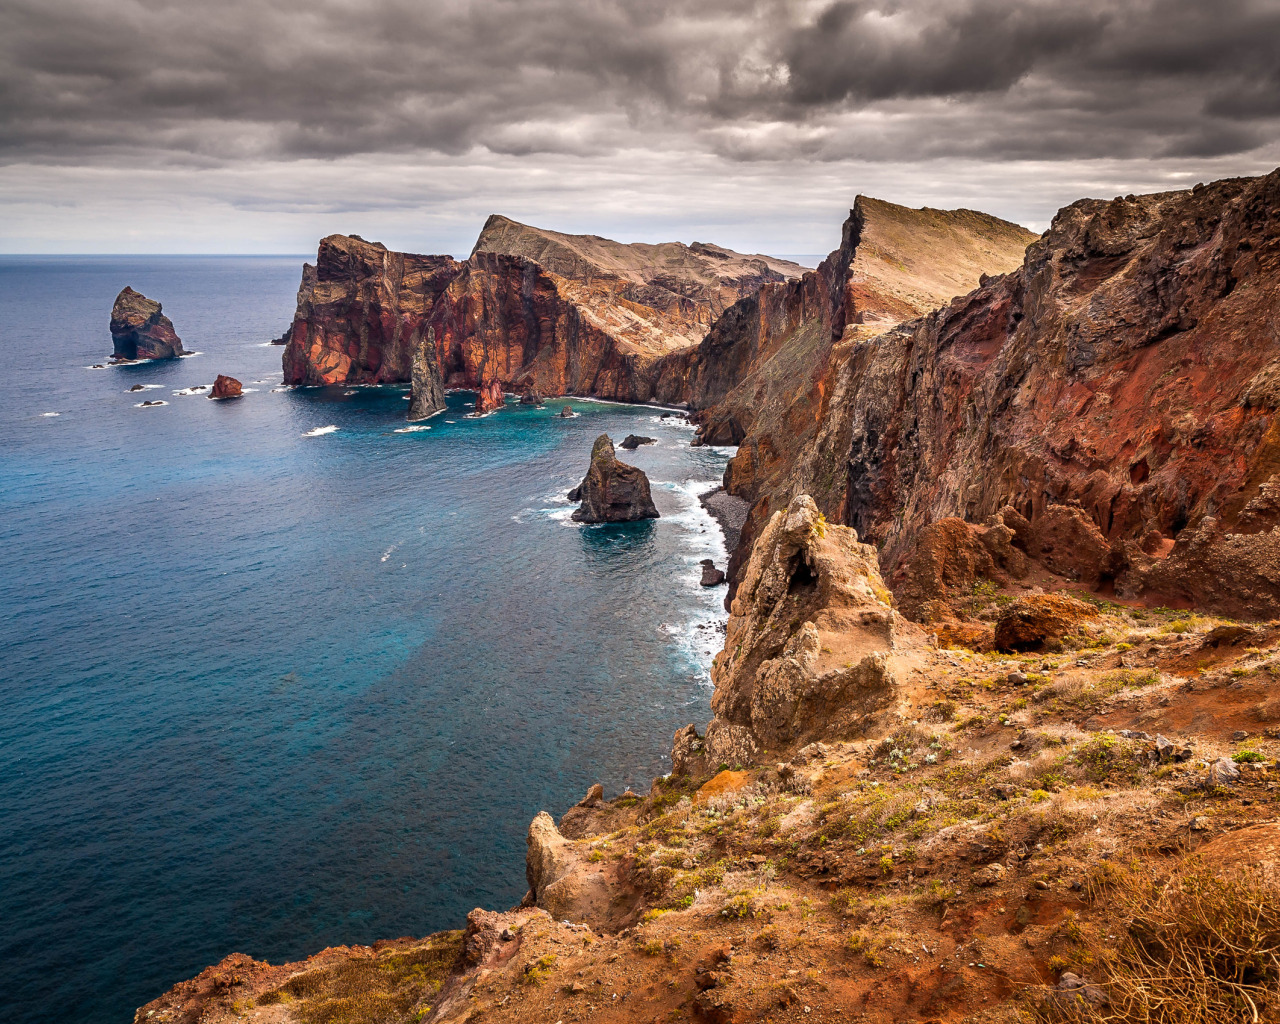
(1202, 947)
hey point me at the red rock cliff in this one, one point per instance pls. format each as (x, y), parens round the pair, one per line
(1118, 393)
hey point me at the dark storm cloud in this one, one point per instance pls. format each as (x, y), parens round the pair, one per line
(164, 80)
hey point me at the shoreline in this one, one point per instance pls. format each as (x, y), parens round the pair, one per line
(729, 512)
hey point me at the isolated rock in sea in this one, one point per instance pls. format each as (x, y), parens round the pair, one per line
(139, 330)
(633, 441)
(566, 412)
(138, 387)
(426, 392)
(812, 644)
(711, 576)
(489, 397)
(226, 387)
(532, 397)
(612, 491)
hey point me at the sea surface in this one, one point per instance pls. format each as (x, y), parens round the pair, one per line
(282, 672)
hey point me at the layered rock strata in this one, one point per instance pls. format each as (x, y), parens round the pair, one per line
(535, 311)
(140, 330)
(612, 491)
(1113, 403)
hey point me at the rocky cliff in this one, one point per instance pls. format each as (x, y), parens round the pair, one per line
(140, 330)
(529, 310)
(1113, 403)
(762, 377)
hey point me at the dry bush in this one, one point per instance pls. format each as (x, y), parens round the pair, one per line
(1203, 947)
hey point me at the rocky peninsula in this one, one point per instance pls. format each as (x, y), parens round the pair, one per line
(995, 729)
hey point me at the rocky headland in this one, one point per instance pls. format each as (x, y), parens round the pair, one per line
(140, 330)
(995, 732)
(612, 491)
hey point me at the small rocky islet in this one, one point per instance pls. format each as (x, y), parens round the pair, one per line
(994, 726)
(140, 330)
(612, 491)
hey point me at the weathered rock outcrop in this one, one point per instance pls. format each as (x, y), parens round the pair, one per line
(612, 491)
(564, 882)
(813, 648)
(534, 311)
(426, 387)
(633, 441)
(226, 387)
(1114, 401)
(140, 330)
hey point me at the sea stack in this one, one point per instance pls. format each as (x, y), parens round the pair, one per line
(489, 398)
(633, 441)
(612, 491)
(426, 394)
(140, 330)
(567, 412)
(226, 387)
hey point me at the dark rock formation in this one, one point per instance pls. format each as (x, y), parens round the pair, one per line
(612, 491)
(567, 412)
(140, 330)
(633, 441)
(532, 397)
(226, 387)
(1041, 621)
(426, 391)
(711, 576)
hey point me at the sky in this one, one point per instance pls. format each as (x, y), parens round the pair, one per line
(148, 126)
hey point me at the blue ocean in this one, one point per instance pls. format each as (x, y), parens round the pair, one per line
(280, 672)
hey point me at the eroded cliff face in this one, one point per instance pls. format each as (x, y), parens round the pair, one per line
(1114, 400)
(529, 310)
(362, 312)
(762, 378)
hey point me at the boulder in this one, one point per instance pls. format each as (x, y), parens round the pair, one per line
(140, 330)
(633, 441)
(567, 412)
(612, 491)
(711, 576)
(226, 387)
(534, 397)
(1031, 623)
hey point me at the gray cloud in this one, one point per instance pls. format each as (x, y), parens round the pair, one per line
(177, 80)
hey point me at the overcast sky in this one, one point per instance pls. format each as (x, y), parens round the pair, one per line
(261, 125)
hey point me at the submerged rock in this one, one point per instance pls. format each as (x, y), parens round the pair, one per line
(140, 330)
(612, 491)
(226, 387)
(633, 441)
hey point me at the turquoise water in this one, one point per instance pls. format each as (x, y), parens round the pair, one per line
(270, 687)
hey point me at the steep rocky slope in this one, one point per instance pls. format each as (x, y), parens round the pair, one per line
(762, 377)
(1112, 403)
(530, 309)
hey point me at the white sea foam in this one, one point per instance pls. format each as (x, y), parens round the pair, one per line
(189, 355)
(277, 391)
(412, 429)
(145, 387)
(196, 389)
(451, 421)
(321, 431)
(387, 554)
(150, 405)
(348, 392)
(51, 414)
